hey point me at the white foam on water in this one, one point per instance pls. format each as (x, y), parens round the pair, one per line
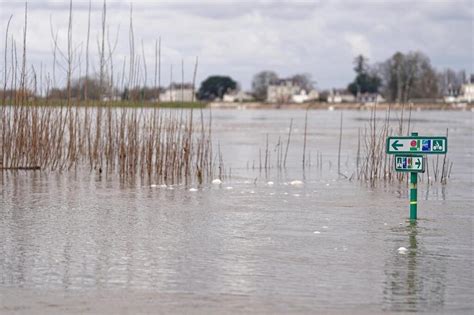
(296, 183)
(229, 188)
(316, 232)
(296, 195)
(193, 189)
(402, 250)
(216, 181)
(325, 227)
(270, 183)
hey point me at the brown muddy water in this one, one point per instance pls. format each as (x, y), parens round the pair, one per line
(82, 242)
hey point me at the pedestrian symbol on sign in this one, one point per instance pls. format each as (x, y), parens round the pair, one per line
(399, 162)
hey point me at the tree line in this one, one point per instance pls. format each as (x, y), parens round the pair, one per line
(400, 78)
(404, 77)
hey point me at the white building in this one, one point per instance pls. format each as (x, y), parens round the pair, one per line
(303, 96)
(370, 98)
(282, 91)
(467, 93)
(237, 96)
(177, 94)
(340, 96)
(287, 91)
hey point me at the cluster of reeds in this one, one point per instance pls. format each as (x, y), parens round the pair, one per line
(164, 145)
(161, 144)
(274, 156)
(374, 164)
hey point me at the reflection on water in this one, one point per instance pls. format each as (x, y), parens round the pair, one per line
(329, 244)
(415, 280)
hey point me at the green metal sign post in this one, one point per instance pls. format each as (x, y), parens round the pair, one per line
(408, 159)
(413, 191)
(413, 195)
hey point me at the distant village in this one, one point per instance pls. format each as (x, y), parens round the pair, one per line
(403, 78)
(288, 91)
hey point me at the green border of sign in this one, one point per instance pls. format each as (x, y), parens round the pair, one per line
(388, 151)
(410, 155)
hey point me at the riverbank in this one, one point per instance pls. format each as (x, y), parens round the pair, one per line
(116, 104)
(256, 105)
(339, 106)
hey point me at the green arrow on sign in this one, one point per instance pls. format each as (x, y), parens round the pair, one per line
(418, 163)
(396, 145)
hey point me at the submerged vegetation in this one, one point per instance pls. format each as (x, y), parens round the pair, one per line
(374, 164)
(41, 132)
(162, 145)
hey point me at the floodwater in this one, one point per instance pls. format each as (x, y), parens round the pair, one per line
(84, 242)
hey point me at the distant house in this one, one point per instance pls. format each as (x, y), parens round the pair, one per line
(370, 98)
(463, 94)
(287, 91)
(303, 96)
(237, 96)
(344, 96)
(467, 93)
(340, 96)
(111, 98)
(282, 91)
(177, 92)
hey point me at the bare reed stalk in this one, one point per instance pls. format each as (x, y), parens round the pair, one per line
(23, 65)
(145, 79)
(339, 148)
(132, 52)
(5, 80)
(305, 132)
(266, 155)
(444, 170)
(288, 142)
(4, 121)
(157, 93)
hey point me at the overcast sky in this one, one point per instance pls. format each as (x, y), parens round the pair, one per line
(241, 38)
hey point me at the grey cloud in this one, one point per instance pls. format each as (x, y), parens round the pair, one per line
(239, 38)
(229, 10)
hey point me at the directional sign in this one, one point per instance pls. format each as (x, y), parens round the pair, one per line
(409, 163)
(415, 144)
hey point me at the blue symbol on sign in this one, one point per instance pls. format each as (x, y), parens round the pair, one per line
(405, 163)
(426, 145)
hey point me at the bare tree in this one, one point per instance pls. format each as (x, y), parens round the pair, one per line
(260, 83)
